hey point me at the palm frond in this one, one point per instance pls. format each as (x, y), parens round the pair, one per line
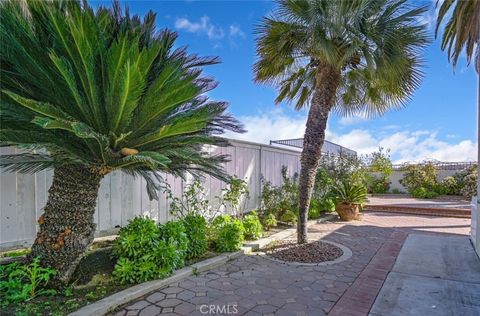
(83, 84)
(374, 45)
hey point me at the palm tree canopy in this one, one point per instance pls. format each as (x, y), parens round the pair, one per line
(103, 89)
(462, 30)
(374, 44)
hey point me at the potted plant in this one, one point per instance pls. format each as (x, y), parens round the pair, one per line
(349, 199)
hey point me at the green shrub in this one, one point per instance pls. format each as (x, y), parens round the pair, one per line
(19, 282)
(146, 251)
(232, 196)
(420, 176)
(448, 186)
(422, 193)
(467, 181)
(173, 234)
(289, 217)
(270, 221)
(196, 230)
(136, 239)
(327, 205)
(278, 200)
(227, 233)
(377, 185)
(252, 226)
(317, 207)
(314, 210)
(396, 191)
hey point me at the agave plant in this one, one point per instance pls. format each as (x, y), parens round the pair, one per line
(350, 193)
(90, 91)
(353, 57)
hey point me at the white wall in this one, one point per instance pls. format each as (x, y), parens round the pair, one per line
(121, 197)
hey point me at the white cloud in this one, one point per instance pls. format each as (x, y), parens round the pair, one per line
(271, 125)
(353, 119)
(235, 30)
(203, 26)
(405, 145)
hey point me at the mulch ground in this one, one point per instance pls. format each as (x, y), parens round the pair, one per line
(313, 252)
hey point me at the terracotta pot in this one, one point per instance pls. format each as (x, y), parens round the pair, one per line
(347, 211)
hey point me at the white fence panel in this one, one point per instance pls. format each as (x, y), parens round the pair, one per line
(121, 197)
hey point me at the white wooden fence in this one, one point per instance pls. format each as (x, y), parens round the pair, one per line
(121, 197)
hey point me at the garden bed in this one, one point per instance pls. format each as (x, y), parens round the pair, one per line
(93, 281)
(312, 252)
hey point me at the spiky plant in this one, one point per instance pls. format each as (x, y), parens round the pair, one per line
(462, 30)
(358, 56)
(93, 91)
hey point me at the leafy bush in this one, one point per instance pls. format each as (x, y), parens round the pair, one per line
(19, 282)
(448, 186)
(193, 200)
(314, 210)
(146, 251)
(278, 200)
(419, 178)
(136, 239)
(377, 184)
(467, 181)
(233, 194)
(196, 230)
(396, 191)
(252, 227)
(289, 217)
(317, 207)
(270, 221)
(227, 233)
(351, 193)
(422, 193)
(173, 234)
(380, 168)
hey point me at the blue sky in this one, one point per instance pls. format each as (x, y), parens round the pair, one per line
(438, 123)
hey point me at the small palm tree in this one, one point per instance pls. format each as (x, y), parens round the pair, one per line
(96, 91)
(462, 31)
(359, 56)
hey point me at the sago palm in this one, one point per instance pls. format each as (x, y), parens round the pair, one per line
(462, 30)
(359, 56)
(93, 91)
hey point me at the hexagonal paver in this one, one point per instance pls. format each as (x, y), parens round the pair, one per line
(151, 310)
(137, 305)
(155, 297)
(169, 302)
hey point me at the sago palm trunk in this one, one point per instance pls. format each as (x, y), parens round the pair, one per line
(327, 80)
(67, 227)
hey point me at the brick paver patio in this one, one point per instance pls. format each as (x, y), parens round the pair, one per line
(253, 285)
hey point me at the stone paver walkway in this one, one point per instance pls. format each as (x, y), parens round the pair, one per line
(253, 285)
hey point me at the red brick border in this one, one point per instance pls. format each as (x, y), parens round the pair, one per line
(360, 296)
(417, 210)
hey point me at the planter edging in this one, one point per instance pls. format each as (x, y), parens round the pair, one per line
(260, 243)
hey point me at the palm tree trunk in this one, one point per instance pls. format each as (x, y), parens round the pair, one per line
(67, 227)
(327, 80)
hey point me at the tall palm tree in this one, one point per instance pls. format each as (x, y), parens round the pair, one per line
(359, 56)
(462, 30)
(93, 91)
